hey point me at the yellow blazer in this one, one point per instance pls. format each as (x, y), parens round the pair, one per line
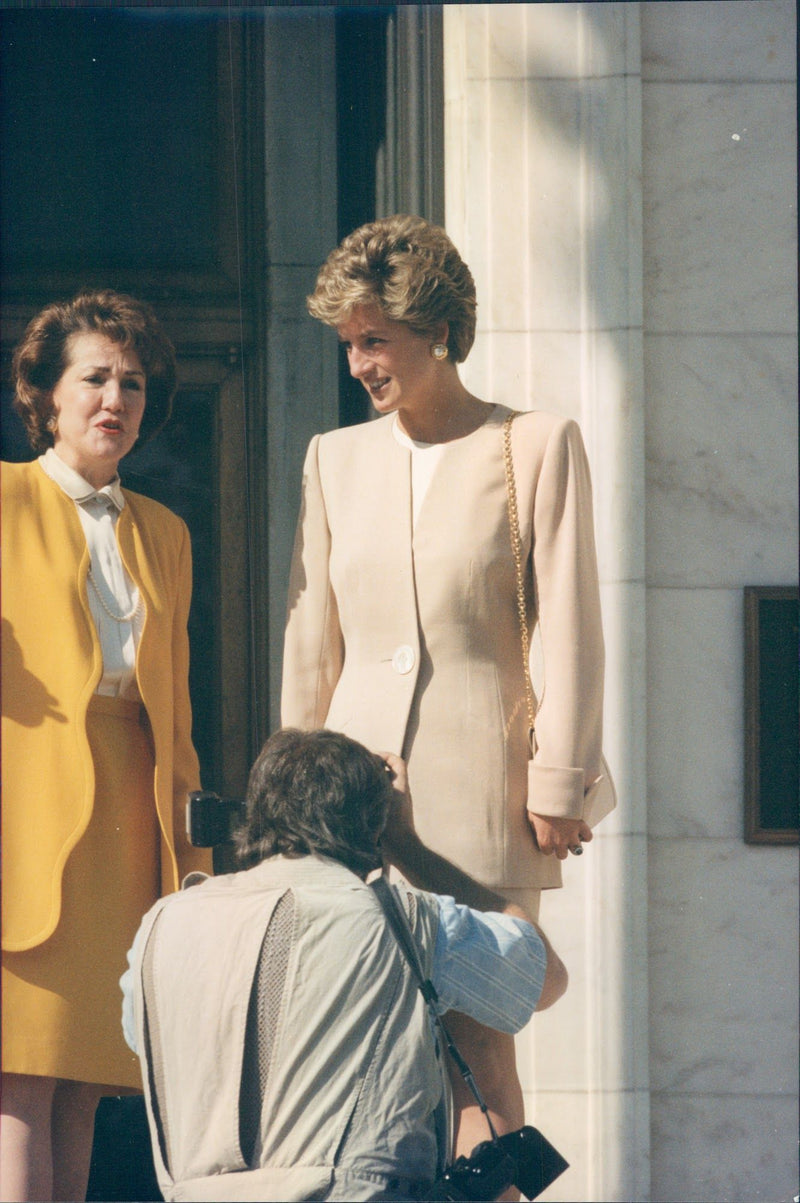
(51, 666)
(409, 641)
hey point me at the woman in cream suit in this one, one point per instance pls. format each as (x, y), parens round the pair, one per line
(97, 751)
(403, 630)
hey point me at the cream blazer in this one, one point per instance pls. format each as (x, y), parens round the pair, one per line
(52, 663)
(409, 641)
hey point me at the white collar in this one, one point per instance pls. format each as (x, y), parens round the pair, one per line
(74, 485)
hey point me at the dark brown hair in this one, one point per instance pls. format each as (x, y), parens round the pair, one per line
(43, 355)
(315, 792)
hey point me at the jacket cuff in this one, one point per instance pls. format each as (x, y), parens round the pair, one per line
(557, 793)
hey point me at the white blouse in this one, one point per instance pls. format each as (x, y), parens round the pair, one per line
(425, 459)
(114, 600)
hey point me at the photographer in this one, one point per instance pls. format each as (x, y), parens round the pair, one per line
(286, 1048)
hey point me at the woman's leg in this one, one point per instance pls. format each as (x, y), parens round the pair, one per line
(46, 1133)
(26, 1162)
(490, 1056)
(74, 1107)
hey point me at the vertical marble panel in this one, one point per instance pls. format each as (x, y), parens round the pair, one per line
(604, 1137)
(612, 421)
(625, 721)
(526, 370)
(520, 48)
(720, 207)
(302, 382)
(500, 132)
(511, 41)
(475, 34)
(724, 982)
(467, 133)
(302, 401)
(721, 460)
(611, 133)
(724, 1147)
(721, 378)
(719, 40)
(535, 215)
(695, 703)
(542, 175)
(560, 241)
(580, 1044)
(300, 103)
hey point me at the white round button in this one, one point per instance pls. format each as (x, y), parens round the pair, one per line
(403, 659)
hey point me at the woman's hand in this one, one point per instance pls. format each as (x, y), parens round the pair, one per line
(561, 836)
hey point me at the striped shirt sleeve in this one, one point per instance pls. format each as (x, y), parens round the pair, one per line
(486, 965)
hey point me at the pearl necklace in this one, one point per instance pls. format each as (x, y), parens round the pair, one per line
(116, 617)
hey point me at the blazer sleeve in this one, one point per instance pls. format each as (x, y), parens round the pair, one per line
(566, 768)
(185, 766)
(313, 645)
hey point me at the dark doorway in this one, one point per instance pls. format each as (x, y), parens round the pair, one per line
(131, 160)
(122, 132)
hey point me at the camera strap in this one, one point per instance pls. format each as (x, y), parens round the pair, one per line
(401, 929)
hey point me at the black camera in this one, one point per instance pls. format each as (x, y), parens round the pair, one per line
(524, 1159)
(211, 820)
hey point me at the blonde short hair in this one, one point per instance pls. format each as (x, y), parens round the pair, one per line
(410, 270)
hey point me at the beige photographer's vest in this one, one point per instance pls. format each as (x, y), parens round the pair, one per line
(310, 1072)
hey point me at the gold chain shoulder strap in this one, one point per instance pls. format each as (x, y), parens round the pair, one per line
(516, 551)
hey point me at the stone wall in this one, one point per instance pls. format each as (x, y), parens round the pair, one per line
(720, 343)
(669, 1071)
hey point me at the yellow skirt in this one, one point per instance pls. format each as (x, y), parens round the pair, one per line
(61, 1000)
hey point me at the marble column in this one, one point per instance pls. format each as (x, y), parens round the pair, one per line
(301, 383)
(543, 198)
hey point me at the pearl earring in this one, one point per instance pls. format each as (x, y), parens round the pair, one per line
(439, 351)
(52, 423)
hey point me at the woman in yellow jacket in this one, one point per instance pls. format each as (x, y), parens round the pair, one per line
(97, 751)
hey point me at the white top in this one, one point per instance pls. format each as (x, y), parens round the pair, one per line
(110, 588)
(425, 459)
